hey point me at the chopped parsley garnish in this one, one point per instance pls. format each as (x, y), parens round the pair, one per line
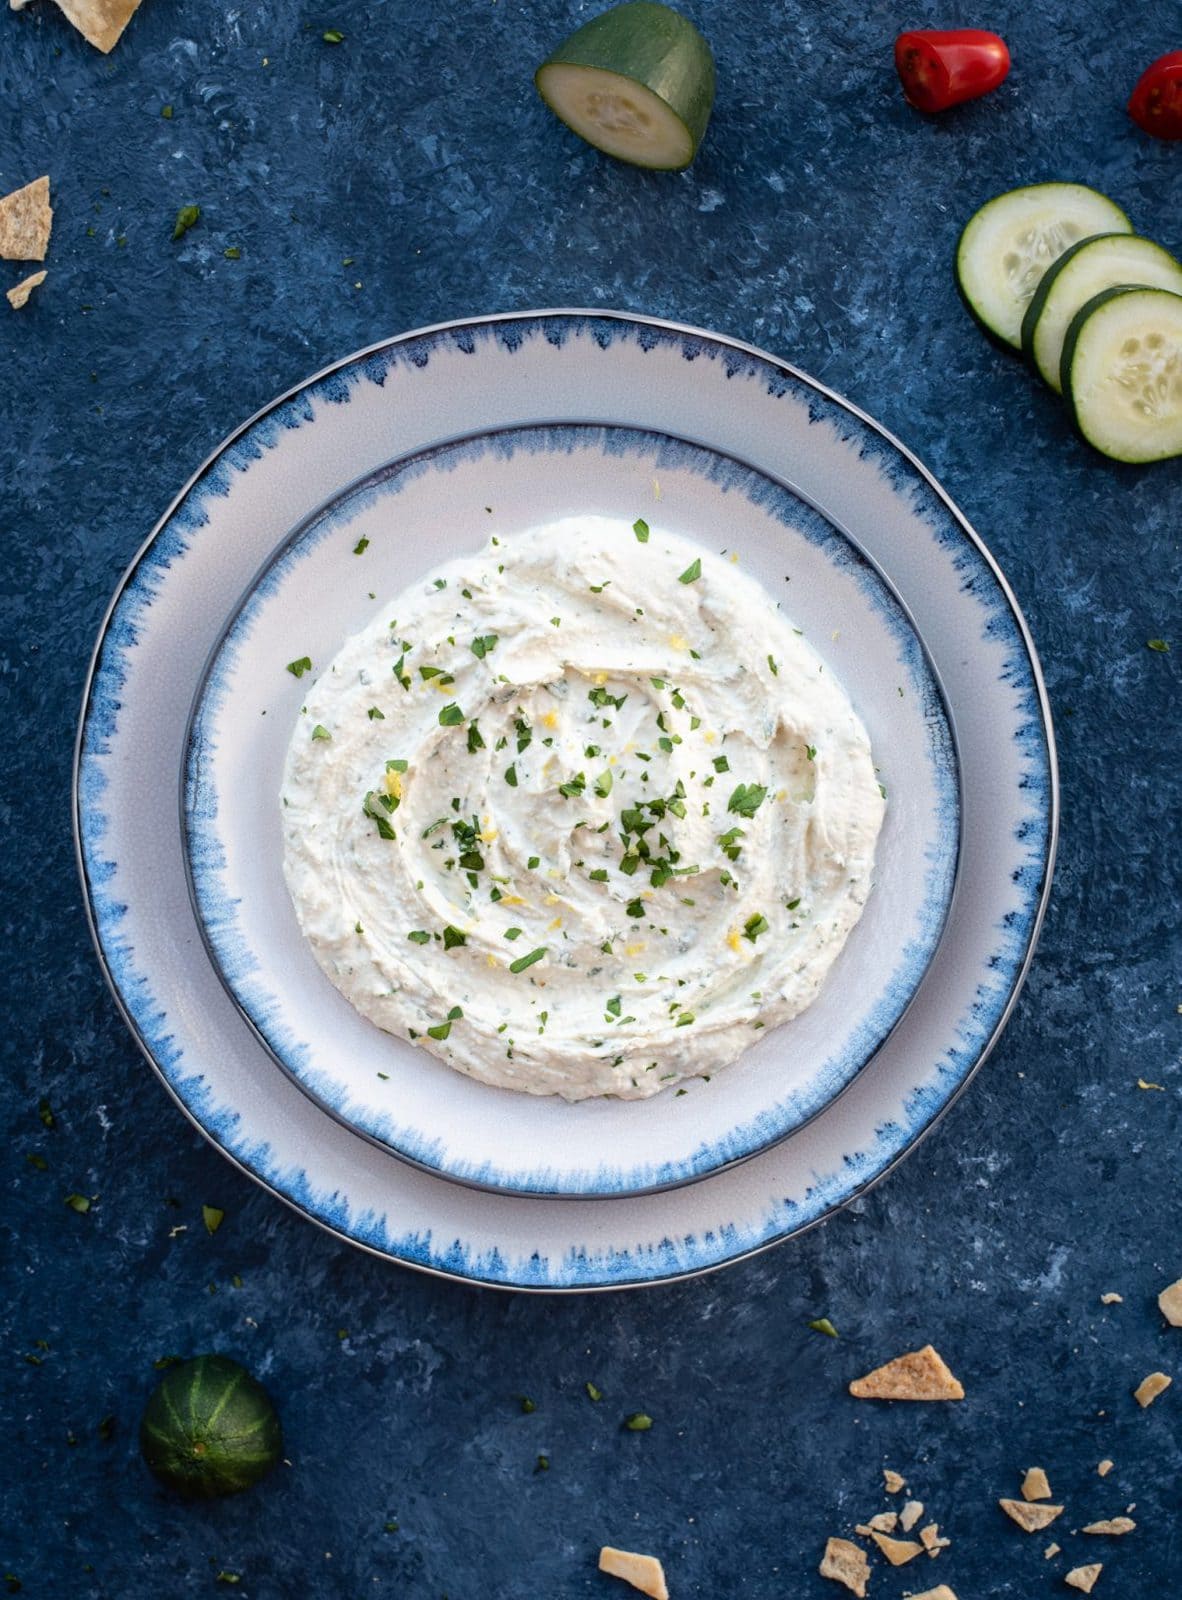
(45, 1112)
(810, 751)
(186, 218)
(573, 786)
(600, 698)
(527, 961)
(450, 716)
(599, 875)
(1160, 645)
(612, 1007)
(427, 673)
(453, 937)
(321, 732)
(729, 841)
(638, 1422)
(511, 775)
(484, 644)
(232, 253)
(475, 739)
(442, 1029)
(685, 1019)
(441, 583)
(403, 677)
(333, 36)
(640, 529)
(754, 926)
(78, 1202)
(377, 808)
(376, 715)
(213, 1217)
(603, 784)
(721, 764)
(528, 1405)
(774, 665)
(635, 908)
(524, 733)
(823, 1325)
(361, 546)
(747, 799)
(693, 572)
(592, 1392)
(298, 668)
(513, 933)
(397, 765)
(534, 861)
(792, 904)
(419, 936)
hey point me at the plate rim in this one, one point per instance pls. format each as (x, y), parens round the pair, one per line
(690, 1173)
(965, 528)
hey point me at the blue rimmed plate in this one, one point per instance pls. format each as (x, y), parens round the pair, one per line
(402, 398)
(413, 514)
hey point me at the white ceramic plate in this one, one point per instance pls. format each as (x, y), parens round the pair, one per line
(413, 394)
(443, 503)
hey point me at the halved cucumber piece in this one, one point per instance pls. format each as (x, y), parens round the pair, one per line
(1121, 372)
(1085, 270)
(636, 82)
(1008, 245)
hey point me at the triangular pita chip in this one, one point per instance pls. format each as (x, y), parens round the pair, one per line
(642, 1572)
(897, 1551)
(910, 1515)
(895, 1481)
(100, 21)
(930, 1538)
(1035, 1485)
(1084, 1577)
(1113, 1525)
(846, 1563)
(921, 1375)
(26, 218)
(1029, 1517)
(19, 294)
(1170, 1303)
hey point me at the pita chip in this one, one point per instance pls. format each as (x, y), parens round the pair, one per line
(1170, 1304)
(1084, 1577)
(897, 1551)
(930, 1538)
(894, 1481)
(1105, 1467)
(100, 22)
(846, 1563)
(920, 1375)
(1112, 1525)
(1149, 1388)
(1030, 1518)
(18, 295)
(1035, 1485)
(642, 1572)
(26, 218)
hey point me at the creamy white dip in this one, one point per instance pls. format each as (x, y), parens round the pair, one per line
(580, 814)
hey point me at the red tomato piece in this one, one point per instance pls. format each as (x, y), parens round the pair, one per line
(1156, 102)
(939, 69)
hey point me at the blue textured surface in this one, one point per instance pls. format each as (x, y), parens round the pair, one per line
(819, 221)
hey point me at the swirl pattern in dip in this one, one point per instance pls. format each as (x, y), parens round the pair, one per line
(580, 814)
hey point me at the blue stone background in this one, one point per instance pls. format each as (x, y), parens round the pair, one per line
(819, 221)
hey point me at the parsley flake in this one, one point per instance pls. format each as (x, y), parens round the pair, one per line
(450, 716)
(375, 714)
(419, 936)
(527, 961)
(747, 799)
(361, 547)
(321, 732)
(186, 218)
(693, 572)
(298, 668)
(452, 937)
(483, 645)
(641, 530)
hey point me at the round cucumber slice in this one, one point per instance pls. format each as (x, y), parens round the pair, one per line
(1121, 372)
(1008, 245)
(1088, 268)
(636, 82)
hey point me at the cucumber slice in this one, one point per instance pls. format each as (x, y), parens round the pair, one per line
(1085, 270)
(1122, 373)
(1008, 245)
(636, 82)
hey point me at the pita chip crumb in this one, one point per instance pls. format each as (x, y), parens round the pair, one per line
(846, 1563)
(642, 1572)
(897, 1551)
(100, 22)
(910, 1515)
(1084, 1577)
(1112, 1299)
(1170, 1304)
(26, 219)
(883, 1522)
(1051, 1550)
(1035, 1485)
(919, 1375)
(940, 1592)
(895, 1481)
(1113, 1525)
(1149, 1388)
(1029, 1517)
(18, 295)
(1105, 1467)
(930, 1538)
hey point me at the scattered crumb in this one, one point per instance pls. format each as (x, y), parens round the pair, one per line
(1084, 1577)
(1051, 1550)
(1160, 1087)
(919, 1375)
(940, 1592)
(18, 295)
(930, 1538)
(846, 1563)
(26, 219)
(1105, 1467)
(895, 1481)
(1170, 1304)
(897, 1551)
(884, 1522)
(1035, 1485)
(642, 1572)
(1149, 1388)
(1030, 1518)
(1113, 1525)
(910, 1515)
(1112, 1299)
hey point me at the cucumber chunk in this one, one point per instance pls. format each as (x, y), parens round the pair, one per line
(1085, 270)
(636, 82)
(1008, 245)
(1121, 372)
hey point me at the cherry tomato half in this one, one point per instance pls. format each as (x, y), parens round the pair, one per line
(940, 69)
(1156, 102)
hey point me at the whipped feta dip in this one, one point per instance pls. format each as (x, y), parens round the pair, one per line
(581, 814)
